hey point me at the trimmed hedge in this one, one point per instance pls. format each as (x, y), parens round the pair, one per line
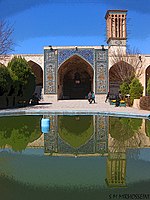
(145, 103)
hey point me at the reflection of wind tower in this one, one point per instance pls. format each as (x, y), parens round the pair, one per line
(116, 28)
(116, 170)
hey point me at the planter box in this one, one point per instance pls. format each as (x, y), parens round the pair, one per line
(112, 102)
(122, 104)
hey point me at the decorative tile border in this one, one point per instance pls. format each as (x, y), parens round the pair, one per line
(86, 54)
(101, 133)
(101, 71)
(50, 66)
(50, 139)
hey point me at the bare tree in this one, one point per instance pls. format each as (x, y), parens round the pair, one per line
(126, 65)
(6, 41)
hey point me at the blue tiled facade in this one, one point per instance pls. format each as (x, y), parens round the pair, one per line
(50, 72)
(101, 71)
(96, 58)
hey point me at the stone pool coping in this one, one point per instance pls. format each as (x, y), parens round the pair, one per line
(76, 107)
(71, 112)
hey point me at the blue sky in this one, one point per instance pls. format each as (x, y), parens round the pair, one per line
(39, 23)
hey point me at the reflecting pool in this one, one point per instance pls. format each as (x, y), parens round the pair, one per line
(80, 157)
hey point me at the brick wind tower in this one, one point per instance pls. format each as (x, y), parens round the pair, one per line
(116, 28)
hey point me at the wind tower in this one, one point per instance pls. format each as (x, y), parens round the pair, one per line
(116, 29)
(116, 170)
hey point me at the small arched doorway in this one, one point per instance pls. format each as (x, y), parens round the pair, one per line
(147, 74)
(75, 79)
(119, 73)
(38, 72)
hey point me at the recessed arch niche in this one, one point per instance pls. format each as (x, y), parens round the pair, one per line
(75, 78)
(38, 72)
(118, 73)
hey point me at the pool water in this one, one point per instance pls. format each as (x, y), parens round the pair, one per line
(81, 157)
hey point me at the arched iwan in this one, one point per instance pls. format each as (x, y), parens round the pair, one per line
(75, 78)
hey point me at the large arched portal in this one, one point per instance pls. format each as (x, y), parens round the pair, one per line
(147, 76)
(75, 79)
(119, 73)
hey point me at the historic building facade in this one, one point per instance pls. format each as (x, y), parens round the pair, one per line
(70, 72)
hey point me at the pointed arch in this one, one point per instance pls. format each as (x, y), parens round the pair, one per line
(118, 73)
(38, 72)
(75, 78)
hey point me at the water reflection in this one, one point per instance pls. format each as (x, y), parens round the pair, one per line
(105, 148)
(18, 131)
(77, 135)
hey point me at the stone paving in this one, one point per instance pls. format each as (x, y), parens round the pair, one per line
(77, 107)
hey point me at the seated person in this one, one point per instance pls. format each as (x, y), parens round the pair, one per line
(35, 99)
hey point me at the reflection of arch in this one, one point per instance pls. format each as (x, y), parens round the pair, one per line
(75, 78)
(147, 75)
(75, 130)
(147, 124)
(119, 73)
(38, 72)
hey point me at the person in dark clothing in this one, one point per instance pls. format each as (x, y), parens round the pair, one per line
(117, 100)
(93, 97)
(90, 97)
(35, 99)
(107, 97)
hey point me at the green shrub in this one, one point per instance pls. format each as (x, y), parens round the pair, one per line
(18, 131)
(24, 79)
(5, 80)
(20, 68)
(123, 129)
(136, 89)
(124, 88)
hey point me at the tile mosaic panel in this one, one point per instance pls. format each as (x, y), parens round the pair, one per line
(101, 134)
(101, 71)
(87, 54)
(50, 66)
(50, 139)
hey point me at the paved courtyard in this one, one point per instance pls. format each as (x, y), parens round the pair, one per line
(77, 107)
